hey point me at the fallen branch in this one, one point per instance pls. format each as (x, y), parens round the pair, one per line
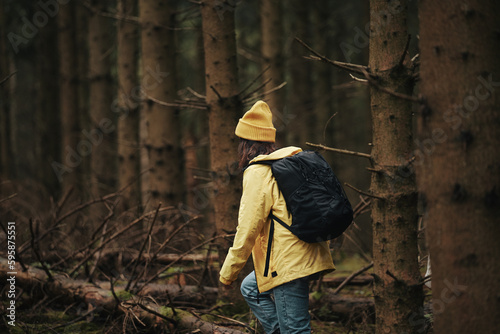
(7, 198)
(349, 309)
(354, 274)
(80, 291)
(341, 151)
(357, 280)
(114, 236)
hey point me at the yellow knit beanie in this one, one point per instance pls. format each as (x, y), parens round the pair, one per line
(257, 124)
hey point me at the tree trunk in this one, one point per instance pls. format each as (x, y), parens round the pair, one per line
(158, 82)
(82, 69)
(224, 109)
(300, 118)
(47, 116)
(397, 289)
(5, 145)
(458, 161)
(273, 60)
(68, 97)
(102, 131)
(128, 107)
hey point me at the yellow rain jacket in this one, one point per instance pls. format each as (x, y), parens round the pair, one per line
(291, 258)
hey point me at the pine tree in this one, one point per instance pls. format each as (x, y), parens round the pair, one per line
(458, 161)
(397, 289)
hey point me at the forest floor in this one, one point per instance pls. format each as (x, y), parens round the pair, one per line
(53, 317)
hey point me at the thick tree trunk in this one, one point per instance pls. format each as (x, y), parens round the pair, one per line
(397, 288)
(101, 133)
(272, 30)
(224, 111)
(82, 70)
(458, 161)
(5, 144)
(299, 120)
(128, 106)
(47, 114)
(322, 73)
(158, 82)
(68, 97)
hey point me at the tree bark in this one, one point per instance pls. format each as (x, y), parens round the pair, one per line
(458, 161)
(299, 120)
(83, 86)
(68, 95)
(5, 140)
(224, 109)
(397, 289)
(271, 26)
(163, 144)
(128, 103)
(102, 132)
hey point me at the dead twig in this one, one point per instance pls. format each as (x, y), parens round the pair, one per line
(8, 198)
(114, 236)
(345, 66)
(142, 249)
(341, 151)
(176, 105)
(362, 192)
(261, 95)
(155, 255)
(254, 80)
(37, 254)
(375, 84)
(350, 277)
(147, 309)
(158, 273)
(4, 80)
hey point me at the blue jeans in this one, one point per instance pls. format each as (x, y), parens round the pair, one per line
(284, 308)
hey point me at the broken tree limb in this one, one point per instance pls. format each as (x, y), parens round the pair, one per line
(354, 274)
(341, 151)
(351, 309)
(142, 308)
(358, 280)
(345, 66)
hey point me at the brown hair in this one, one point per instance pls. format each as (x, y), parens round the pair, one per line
(249, 149)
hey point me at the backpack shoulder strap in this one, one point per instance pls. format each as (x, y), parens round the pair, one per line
(262, 162)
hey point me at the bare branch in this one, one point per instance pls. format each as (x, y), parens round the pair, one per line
(358, 79)
(142, 248)
(350, 277)
(8, 198)
(362, 192)
(4, 80)
(176, 105)
(216, 92)
(345, 66)
(265, 93)
(405, 51)
(37, 253)
(375, 84)
(338, 150)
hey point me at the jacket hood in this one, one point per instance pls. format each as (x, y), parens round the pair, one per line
(278, 154)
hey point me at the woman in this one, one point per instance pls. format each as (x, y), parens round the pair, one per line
(280, 299)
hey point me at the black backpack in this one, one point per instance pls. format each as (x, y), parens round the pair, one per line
(314, 196)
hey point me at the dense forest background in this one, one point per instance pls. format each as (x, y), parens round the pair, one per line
(118, 160)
